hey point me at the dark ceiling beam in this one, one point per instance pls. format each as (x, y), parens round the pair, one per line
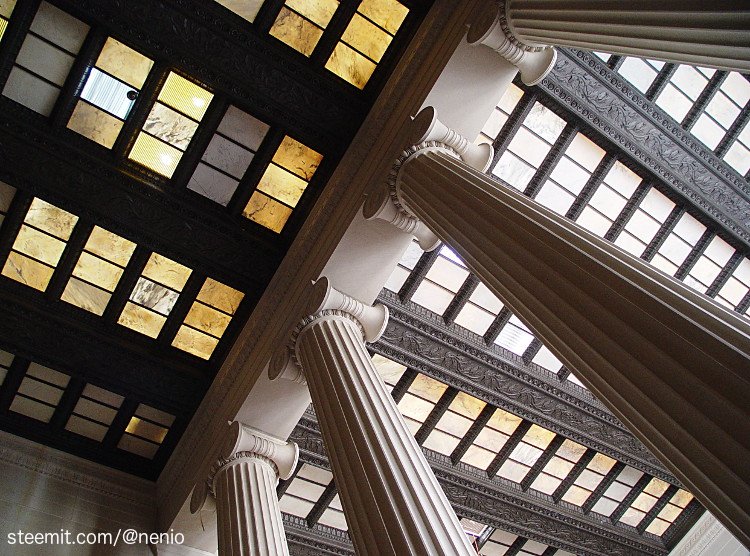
(627, 211)
(663, 233)
(498, 503)
(734, 131)
(511, 444)
(451, 354)
(598, 98)
(699, 106)
(435, 415)
(42, 163)
(461, 298)
(658, 84)
(232, 56)
(592, 184)
(60, 336)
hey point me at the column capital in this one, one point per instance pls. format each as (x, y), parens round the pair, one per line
(493, 28)
(325, 301)
(241, 443)
(427, 134)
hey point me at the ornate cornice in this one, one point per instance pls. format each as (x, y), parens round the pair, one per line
(420, 340)
(584, 85)
(320, 539)
(503, 504)
(700, 537)
(77, 472)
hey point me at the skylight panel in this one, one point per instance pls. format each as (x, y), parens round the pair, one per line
(7, 193)
(45, 58)
(246, 9)
(419, 400)
(6, 360)
(282, 184)
(500, 115)
(514, 336)
(709, 265)
(98, 270)
(670, 512)
(737, 286)
(455, 423)
(6, 9)
(109, 92)
(365, 40)
(529, 146)
(228, 156)
(154, 295)
(645, 223)
(333, 515)
(208, 319)
(304, 491)
(39, 244)
(390, 371)
(491, 439)
(39, 393)
(640, 73)
(589, 480)
(146, 431)
(94, 412)
(301, 23)
(170, 125)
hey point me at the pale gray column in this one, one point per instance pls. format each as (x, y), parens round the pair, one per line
(671, 363)
(393, 504)
(243, 483)
(715, 34)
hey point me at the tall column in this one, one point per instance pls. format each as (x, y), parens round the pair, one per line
(243, 483)
(669, 362)
(392, 501)
(713, 34)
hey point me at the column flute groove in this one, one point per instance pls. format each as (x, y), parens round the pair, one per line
(391, 499)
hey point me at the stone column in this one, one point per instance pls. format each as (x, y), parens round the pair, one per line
(428, 134)
(243, 483)
(392, 501)
(715, 34)
(670, 363)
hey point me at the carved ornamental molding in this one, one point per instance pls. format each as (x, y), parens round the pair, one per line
(421, 342)
(584, 85)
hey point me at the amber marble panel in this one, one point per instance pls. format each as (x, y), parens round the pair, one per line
(97, 271)
(110, 246)
(367, 38)
(86, 296)
(207, 319)
(170, 126)
(317, 11)
(389, 14)
(297, 158)
(51, 219)
(27, 271)
(350, 65)
(124, 63)
(166, 271)
(246, 9)
(185, 96)
(267, 212)
(282, 185)
(197, 343)
(220, 296)
(95, 124)
(141, 320)
(296, 31)
(39, 245)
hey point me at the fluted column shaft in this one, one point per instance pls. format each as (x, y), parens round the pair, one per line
(247, 509)
(671, 363)
(692, 31)
(392, 501)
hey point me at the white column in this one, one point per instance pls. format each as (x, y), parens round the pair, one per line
(392, 501)
(714, 34)
(669, 362)
(243, 483)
